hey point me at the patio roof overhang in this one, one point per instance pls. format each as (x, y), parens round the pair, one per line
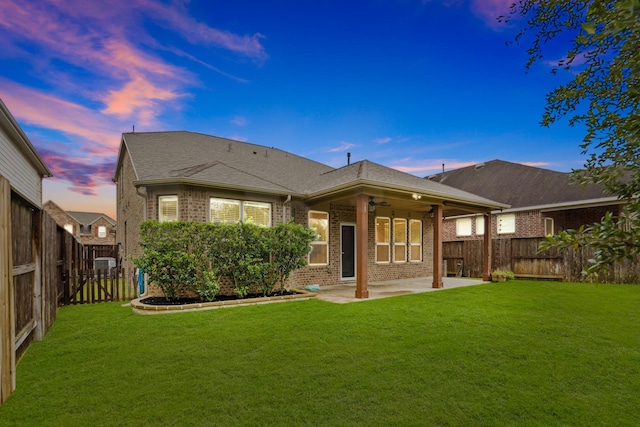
(403, 198)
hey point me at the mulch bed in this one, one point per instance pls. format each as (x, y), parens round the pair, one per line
(184, 301)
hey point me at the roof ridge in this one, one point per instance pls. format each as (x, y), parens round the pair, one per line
(259, 177)
(362, 169)
(190, 171)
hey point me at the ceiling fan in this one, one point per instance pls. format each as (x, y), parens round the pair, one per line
(373, 204)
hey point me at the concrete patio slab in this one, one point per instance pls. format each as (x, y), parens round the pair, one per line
(342, 294)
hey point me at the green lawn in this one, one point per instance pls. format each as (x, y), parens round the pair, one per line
(516, 353)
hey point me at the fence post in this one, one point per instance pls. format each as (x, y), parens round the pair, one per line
(7, 317)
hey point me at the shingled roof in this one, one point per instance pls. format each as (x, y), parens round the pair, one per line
(520, 186)
(367, 172)
(87, 218)
(181, 157)
(194, 158)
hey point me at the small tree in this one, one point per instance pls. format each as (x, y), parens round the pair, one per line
(602, 95)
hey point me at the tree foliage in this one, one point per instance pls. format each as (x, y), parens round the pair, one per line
(603, 95)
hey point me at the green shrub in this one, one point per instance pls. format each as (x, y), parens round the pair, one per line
(502, 275)
(180, 256)
(208, 286)
(291, 244)
(173, 256)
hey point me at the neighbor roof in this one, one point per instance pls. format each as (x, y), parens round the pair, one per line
(519, 185)
(198, 159)
(89, 217)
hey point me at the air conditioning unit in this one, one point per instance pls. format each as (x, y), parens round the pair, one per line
(104, 263)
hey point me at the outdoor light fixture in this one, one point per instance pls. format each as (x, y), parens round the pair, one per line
(416, 196)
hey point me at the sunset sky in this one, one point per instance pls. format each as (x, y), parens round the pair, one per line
(409, 84)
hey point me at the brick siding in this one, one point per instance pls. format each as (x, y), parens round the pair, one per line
(532, 223)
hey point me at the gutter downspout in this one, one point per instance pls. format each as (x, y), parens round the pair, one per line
(144, 198)
(284, 212)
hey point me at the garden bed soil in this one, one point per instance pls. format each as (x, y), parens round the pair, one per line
(151, 305)
(191, 300)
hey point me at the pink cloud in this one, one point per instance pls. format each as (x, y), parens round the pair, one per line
(489, 10)
(95, 37)
(84, 176)
(130, 83)
(138, 97)
(199, 33)
(31, 106)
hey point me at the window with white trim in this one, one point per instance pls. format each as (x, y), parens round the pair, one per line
(229, 211)
(257, 213)
(506, 223)
(382, 240)
(548, 227)
(102, 231)
(319, 222)
(415, 240)
(167, 208)
(463, 227)
(399, 240)
(480, 226)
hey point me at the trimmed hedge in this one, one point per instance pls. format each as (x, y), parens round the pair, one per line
(190, 256)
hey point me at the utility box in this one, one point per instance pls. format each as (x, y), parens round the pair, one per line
(104, 263)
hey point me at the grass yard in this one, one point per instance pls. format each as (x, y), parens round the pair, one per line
(516, 353)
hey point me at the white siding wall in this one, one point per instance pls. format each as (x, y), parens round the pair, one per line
(24, 178)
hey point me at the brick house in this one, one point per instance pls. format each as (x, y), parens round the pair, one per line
(374, 223)
(541, 201)
(89, 228)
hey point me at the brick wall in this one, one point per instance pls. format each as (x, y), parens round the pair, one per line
(532, 223)
(94, 238)
(574, 218)
(193, 205)
(61, 217)
(131, 207)
(330, 274)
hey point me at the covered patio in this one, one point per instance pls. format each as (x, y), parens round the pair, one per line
(343, 294)
(377, 193)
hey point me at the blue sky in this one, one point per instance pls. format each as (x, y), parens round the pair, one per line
(409, 84)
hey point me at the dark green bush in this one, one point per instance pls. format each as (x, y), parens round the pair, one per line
(181, 256)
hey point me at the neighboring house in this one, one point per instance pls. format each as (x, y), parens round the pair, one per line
(374, 223)
(23, 306)
(89, 228)
(541, 201)
(20, 163)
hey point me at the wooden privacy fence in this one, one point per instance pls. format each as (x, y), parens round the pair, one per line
(42, 266)
(521, 256)
(92, 286)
